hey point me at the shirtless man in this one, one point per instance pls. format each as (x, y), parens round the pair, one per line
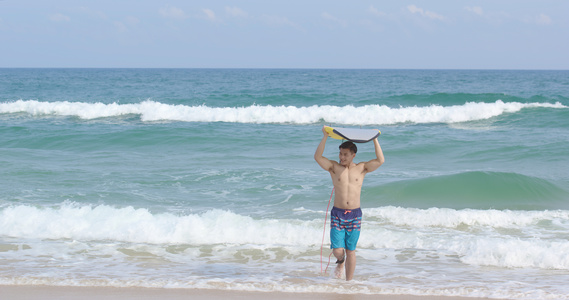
(346, 214)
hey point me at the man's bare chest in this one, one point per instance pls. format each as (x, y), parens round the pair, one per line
(350, 175)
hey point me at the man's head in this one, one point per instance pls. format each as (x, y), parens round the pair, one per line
(348, 152)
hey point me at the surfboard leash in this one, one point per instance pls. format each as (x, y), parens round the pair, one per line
(323, 235)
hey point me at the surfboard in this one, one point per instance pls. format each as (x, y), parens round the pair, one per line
(355, 135)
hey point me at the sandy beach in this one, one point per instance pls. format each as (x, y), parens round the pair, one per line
(62, 293)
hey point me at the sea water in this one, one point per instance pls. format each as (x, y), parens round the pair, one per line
(205, 178)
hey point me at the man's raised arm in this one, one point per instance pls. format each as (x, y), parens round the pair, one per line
(325, 163)
(373, 164)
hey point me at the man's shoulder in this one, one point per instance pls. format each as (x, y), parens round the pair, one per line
(361, 164)
(335, 164)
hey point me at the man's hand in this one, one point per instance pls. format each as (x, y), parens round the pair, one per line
(324, 131)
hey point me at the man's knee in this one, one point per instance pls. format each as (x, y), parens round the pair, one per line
(338, 251)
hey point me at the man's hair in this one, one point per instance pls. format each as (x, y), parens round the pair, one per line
(349, 145)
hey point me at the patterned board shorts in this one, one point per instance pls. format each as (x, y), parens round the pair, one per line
(345, 228)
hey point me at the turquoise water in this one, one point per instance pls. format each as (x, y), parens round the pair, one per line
(194, 178)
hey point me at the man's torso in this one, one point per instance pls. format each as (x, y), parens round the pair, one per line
(348, 185)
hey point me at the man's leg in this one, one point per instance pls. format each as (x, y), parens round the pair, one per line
(352, 237)
(340, 256)
(350, 264)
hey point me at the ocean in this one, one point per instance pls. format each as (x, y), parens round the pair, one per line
(205, 178)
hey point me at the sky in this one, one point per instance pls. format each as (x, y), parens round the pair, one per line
(402, 34)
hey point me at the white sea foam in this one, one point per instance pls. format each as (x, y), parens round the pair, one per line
(125, 246)
(128, 224)
(499, 238)
(351, 115)
(479, 237)
(452, 218)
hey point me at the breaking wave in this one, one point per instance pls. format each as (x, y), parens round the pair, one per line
(374, 114)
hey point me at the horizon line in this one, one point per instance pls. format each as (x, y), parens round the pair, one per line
(297, 68)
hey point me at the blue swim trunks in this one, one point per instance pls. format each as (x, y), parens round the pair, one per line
(345, 228)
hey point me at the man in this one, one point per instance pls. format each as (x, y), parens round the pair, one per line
(346, 214)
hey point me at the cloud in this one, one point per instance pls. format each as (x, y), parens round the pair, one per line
(236, 12)
(59, 18)
(543, 19)
(372, 10)
(209, 14)
(132, 20)
(329, 17)
(425, 13)
(127, 24)
(120, 26)
(171, 12)
(475, 9)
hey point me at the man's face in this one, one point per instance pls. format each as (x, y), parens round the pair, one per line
(346, 157)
